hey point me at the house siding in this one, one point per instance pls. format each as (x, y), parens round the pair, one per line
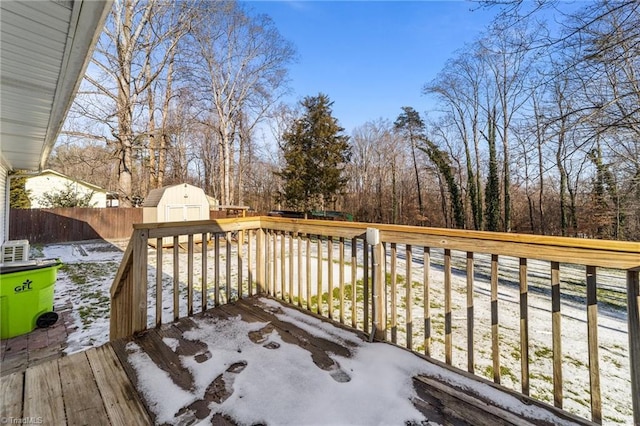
(4, 199)
(48, 183)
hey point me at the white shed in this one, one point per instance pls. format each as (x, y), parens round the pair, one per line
(175, 203)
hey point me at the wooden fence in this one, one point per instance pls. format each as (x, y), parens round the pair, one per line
(380, 279)
(43, 226)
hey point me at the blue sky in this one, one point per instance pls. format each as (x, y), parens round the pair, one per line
(372, 57)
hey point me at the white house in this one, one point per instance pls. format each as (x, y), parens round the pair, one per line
(49, 182)
(45, 49)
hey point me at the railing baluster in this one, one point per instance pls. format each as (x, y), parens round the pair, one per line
(283, 267)
(268, 262)
(158, 282)
(176, 278)
(299, 243)
(291, 259)
(556, 330)
(205, 249)
(216, 265)
(394, 293)
(308, 270)
(633, 315)
(592, 336)
(354, 279)
(190, 250)
(470, 316)
(495, 337)
(426, 263)
(365, 288)
(274, 270)
(341, 250)
(319, 275)
(240, 265)
(378, 305)
(409, 295)
(250, 274)
(524, 326)
(448, 352)
(227, 288)
(330, 275)
(260, 261)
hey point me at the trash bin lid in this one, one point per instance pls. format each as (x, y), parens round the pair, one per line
(28, 265)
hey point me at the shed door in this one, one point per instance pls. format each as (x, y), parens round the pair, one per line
(182, 212)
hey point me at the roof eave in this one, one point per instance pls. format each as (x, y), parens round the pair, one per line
(87, 17)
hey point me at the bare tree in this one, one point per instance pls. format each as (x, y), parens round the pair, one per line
(129, 56)
(239, 70)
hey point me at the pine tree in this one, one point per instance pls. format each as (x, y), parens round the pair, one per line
(315, 152)
(19, 198)
(411, 125)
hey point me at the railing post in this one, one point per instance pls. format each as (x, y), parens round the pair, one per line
(139, 275)
(633, 314)
(378, 305)
(261, 266)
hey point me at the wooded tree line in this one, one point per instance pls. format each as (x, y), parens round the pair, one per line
(537, 127)
(534, 131)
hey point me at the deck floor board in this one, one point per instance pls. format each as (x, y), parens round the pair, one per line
(82, 401)
(11, 391)
(121, 400)
(43, 393)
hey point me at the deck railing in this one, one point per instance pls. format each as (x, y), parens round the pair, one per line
(476, 300)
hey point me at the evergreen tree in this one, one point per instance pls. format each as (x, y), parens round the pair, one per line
(315, 152)
(605, 206)
(492, 191)
(411, 126)
(69, 196)
(19, 198)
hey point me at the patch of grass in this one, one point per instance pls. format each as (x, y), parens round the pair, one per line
(436, 305)
(515, 353)
(99, 308)
(613, 361)
(504, 372)
(542, 377)
(544, 352)
(81, 273)
(575, 362)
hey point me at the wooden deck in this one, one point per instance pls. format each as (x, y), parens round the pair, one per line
(87, 388)
(102, 385)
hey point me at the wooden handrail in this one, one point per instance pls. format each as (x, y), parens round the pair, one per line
(601, 253)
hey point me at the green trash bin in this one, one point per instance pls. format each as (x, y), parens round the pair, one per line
(26, 296)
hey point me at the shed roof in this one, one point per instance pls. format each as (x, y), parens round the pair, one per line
(155, 195)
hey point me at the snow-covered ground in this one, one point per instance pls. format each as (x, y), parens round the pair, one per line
(89, 268)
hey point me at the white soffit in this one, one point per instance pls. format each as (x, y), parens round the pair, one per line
(45, 47)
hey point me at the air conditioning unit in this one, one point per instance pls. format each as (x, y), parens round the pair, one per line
(15, 251)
